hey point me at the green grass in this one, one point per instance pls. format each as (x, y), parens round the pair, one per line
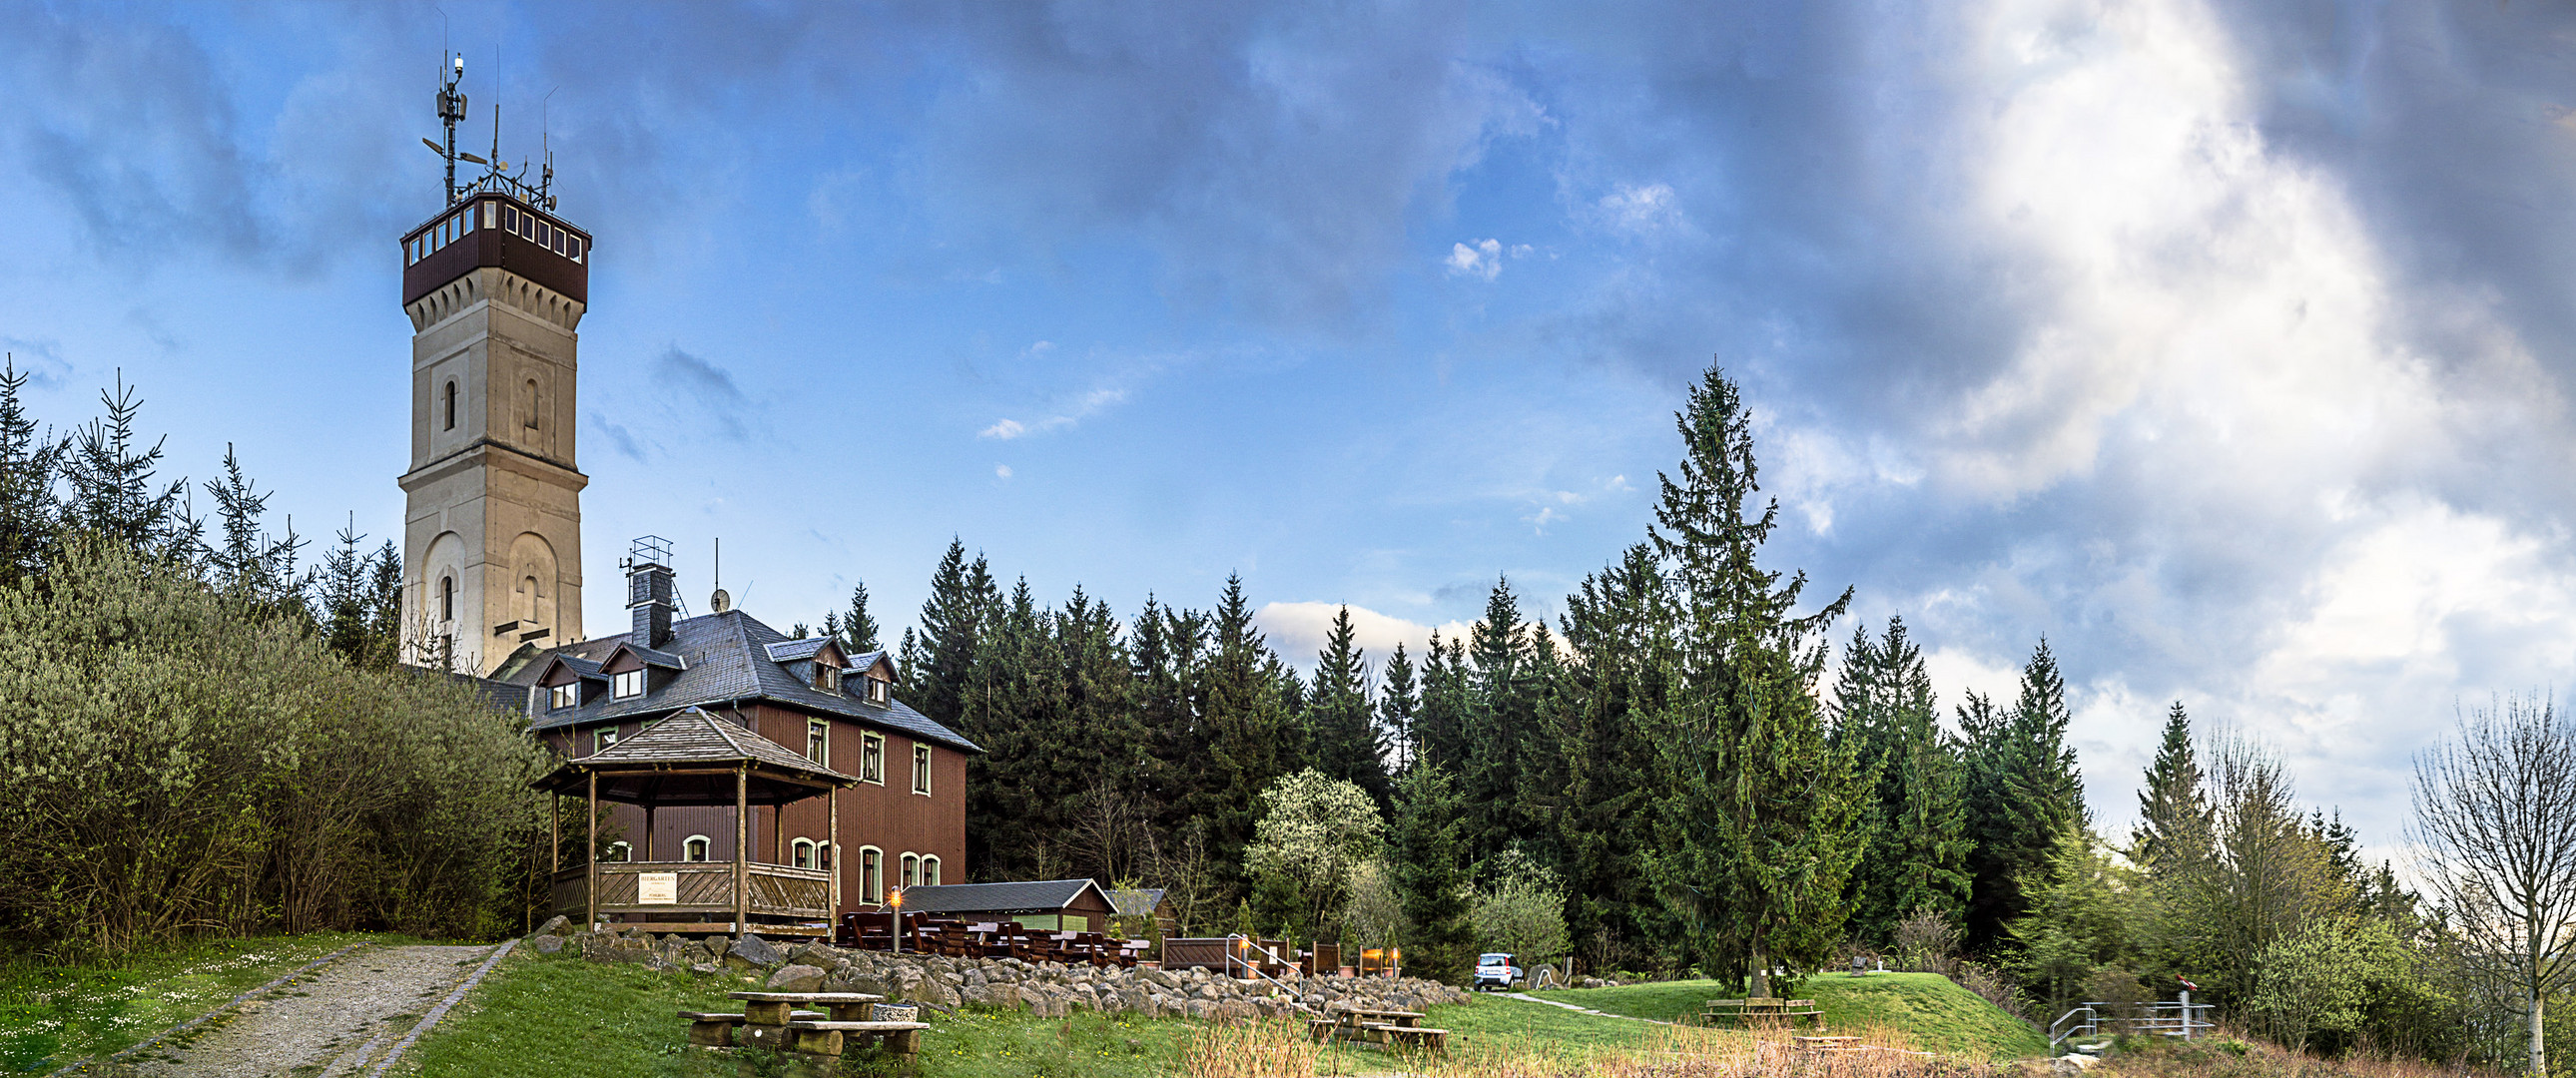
(561, 1016)
(1937, 1015)
(51, 1015)
(1553, 1031)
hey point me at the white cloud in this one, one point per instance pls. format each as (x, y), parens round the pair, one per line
(1485, 259)
(1002, 471)
(1641, 211)
(1081, 408)
(1298, 631)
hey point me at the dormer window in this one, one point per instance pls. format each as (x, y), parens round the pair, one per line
(827, 678)
(626, 685)
(563, 696)
(878, 693)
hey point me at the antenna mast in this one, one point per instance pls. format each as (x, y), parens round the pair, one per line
(451, 108)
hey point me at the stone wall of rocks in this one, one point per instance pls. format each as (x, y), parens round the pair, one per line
(1046, 989)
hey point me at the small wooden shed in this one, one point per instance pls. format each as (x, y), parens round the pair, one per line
(1050, 905)
(693, 758)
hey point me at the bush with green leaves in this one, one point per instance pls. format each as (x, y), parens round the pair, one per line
(1523, 911)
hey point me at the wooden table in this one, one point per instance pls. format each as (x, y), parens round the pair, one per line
(766, 1016)
(1390, 1028)
(1762, 1008)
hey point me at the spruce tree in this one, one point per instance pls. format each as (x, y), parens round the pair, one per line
(858, 628)
(29, 464)
(1917, 853)
(2024, 796)
(1500, 719)
(1757, 818)
(1430, 867)
(941, 661)
(1251, 737)
(1617, 657)
(2173, 814)
(1342, 738)
(113, 486)
(1440, 736)
(1397, 706)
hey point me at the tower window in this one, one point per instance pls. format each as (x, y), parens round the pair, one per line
(446, 598)
(451, 405)
(532, 404)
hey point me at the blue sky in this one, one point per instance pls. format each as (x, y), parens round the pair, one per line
(2225, 344)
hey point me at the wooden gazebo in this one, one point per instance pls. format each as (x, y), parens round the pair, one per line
(698, 760)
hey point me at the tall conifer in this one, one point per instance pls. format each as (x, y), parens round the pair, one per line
(1342, 739)
(2173, 814)
(1758, 814)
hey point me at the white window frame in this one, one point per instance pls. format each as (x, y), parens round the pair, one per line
(930, 870)
(921, 769)
(559, 697)
(879, 693)
(872, 875)
(872, 755)
(604, 738)
(827, 677)
(626, 685)
(818, 748)
(911, 870)
(706, 848)
(803, 852)
(619, 853)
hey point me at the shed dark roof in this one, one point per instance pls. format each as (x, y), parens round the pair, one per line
(726, 659)
(695, 737)
(1039, 896)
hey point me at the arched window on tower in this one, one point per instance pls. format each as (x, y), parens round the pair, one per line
(451, 405)
(446, 598)
(532, 404)
(527, 611)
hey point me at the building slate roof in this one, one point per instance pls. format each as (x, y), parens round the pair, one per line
(695, 737)
(1035, 896)
(726, 661)
(786, 651)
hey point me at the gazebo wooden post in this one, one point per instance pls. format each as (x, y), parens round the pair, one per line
(777, 833)
(832, 836)
(648, 830)
(554, 830)
(741, 850)
(590, 862)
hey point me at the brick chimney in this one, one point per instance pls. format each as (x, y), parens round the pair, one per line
(649, 590)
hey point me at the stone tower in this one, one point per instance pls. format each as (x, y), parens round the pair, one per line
(495, 287)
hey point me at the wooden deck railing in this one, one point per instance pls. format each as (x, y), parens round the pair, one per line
(696, 887)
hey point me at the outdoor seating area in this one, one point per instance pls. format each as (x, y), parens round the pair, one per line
(1389, 1029)
(957, 938)
(815, 1039)
(1763, 1010)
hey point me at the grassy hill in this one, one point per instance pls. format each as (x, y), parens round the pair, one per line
(1935, 1014)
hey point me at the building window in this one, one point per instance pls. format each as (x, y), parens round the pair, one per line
(606, 738)
(929, 871)
(921, 769)
(871, 875)
(818, 741)
(446, 598)
(628, 684)
(878, 693)
(872, 758)
(911, 871)
(572, 248)
(827, 677)
(694, 849)
(802, 855)
(619, 851)
(563, 696)
(451, 405)
(532, 403)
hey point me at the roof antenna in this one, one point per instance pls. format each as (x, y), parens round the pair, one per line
(719, 602)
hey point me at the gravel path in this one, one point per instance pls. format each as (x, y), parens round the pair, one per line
(1580, 1010)
(329, 1025)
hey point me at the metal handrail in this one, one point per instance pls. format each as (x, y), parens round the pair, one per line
(2181, 1018)
(2059, 1031)
(1254, 945)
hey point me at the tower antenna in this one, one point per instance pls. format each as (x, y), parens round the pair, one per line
(451, 108)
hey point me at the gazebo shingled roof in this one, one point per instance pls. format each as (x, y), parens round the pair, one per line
(689, 759)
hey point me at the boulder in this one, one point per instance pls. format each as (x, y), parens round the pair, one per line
(797, 978)
(756, 951)
(559, 925)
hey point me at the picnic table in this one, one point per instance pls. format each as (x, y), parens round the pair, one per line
(1762, 1009)
(771, 1020)
(1402, 1029)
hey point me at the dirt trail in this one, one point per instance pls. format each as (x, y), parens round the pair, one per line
(332, 1024)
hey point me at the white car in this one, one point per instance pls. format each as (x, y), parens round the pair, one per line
(1496, 970)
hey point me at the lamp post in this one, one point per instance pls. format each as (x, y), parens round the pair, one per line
(898, 920)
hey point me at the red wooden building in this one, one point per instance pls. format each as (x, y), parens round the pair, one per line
(903, 823)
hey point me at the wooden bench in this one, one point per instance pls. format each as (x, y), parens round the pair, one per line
(1393, 1029)
(827, 1038)
(1761, 1007)
(1829, 1044)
